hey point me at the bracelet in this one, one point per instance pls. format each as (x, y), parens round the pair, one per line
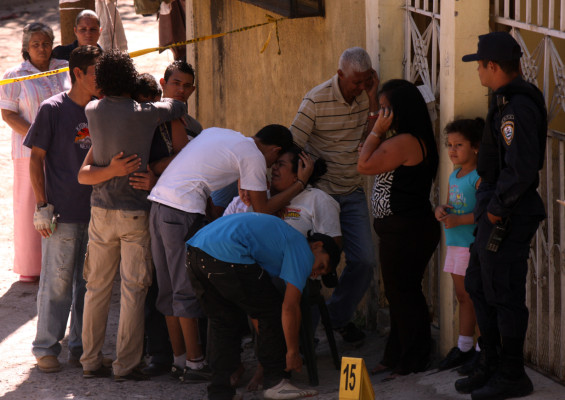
(375, 135)
(301, 181)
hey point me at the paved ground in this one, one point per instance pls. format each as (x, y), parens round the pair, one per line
(19, 377)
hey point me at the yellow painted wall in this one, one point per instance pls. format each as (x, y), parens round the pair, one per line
(241, 89)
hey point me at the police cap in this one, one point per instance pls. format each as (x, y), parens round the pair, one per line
(496, 46)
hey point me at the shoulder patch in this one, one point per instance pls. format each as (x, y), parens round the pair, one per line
(507, 130)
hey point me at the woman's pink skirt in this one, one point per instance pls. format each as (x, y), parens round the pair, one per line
(27, 241)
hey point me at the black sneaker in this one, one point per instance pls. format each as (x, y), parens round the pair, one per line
(176, 372)
(201, 375)
(499, 388)
(102, 372)
(455, 358)
(476, 380)
(470, 365)
(351, 334)
(134, 375)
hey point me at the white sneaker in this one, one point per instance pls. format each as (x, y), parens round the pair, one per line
(284, 390)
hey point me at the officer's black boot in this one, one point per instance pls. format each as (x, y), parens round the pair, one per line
(511, 379)
(484, 370)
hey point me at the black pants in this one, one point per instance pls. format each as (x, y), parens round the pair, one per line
(158, 345)
(224, 289)
(406, 246)
(496, 282)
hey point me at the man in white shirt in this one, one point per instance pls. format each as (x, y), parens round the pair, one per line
(215, 158)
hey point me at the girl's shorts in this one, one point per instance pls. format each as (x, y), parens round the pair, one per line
(456, 260)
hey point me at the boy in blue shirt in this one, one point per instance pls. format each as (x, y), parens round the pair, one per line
(231, 263)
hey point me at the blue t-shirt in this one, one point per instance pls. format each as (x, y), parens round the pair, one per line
(462, 198)
(61, 129)
(250, 238)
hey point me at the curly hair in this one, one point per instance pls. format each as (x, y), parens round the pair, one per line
(471, 129)
(115, 73)
(147, 87)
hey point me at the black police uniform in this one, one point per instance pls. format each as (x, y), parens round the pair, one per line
(510, 156)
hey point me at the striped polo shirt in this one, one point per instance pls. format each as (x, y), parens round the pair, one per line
(327, 126)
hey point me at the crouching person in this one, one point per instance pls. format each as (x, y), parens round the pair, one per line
(231, 263)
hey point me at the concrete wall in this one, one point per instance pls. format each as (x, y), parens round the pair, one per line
(241, 89)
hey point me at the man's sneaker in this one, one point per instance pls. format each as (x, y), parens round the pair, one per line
(48, 364)
(350, 333)
(455, 358)
(499, 388)
(102, 372)
(134, 375)
(190, 375)
(285, 390)
(469, 366)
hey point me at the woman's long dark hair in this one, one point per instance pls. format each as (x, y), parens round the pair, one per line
(411, 116)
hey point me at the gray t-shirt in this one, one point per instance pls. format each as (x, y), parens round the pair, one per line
(61, 129)
(122, 124)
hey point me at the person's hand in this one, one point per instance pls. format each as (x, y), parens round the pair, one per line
(122, 166)
(450, 221)
(305, 167)
(293, 362)
(441, 211)
(373, 90)
(493, 218)
(244, 196)
(143, 180)
(384, 121)
(42, 219)
(360, 147)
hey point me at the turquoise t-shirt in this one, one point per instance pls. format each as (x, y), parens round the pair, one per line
(462, 198)
(250, 238)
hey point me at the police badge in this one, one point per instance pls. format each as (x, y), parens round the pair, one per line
(507, 130)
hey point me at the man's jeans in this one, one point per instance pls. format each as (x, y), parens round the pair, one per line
(359, 252)
(61, 287)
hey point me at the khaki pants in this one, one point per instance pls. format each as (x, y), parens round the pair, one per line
(116, 238)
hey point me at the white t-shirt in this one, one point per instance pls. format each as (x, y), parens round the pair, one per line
(313, 209)
(212, 160)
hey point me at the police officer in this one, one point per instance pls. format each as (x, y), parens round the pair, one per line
(507, 213)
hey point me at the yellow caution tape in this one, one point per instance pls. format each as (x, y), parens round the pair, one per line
(137, 53)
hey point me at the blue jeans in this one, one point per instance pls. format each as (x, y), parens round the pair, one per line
(61, 289)
(359, 252)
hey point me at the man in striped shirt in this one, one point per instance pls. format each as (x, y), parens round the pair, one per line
(332, 120)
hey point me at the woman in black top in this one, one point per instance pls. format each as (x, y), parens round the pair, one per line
(405, 165)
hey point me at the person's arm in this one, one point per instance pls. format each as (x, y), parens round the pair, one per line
(291, 325)
(15, 121)
(262, 204)
(373, 103)
(522, 158)
(304, 121)
(441, 210)
(90, 174)
(37, 177)
(179, 139)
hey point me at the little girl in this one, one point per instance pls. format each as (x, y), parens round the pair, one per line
(463, 137)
